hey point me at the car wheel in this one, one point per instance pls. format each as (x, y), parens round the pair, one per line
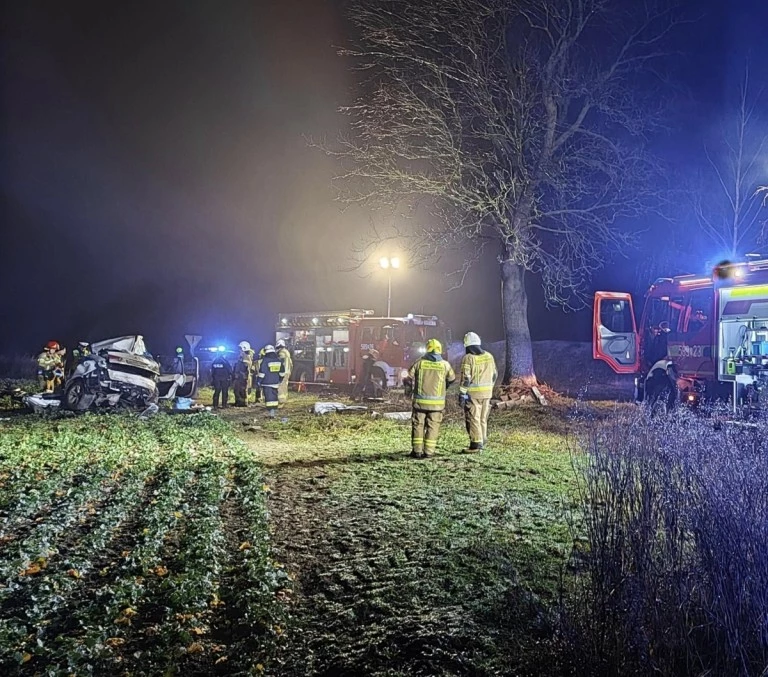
(75, 397)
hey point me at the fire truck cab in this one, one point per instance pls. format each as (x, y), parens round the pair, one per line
(697, 338)
(328, 346)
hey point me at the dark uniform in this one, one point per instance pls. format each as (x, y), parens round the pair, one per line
(271, 373)
(242, 379)
(178, 362)
(221, 376)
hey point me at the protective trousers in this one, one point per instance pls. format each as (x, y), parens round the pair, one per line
(220, 392)
(425, 428)
(49, 382)
(476, 413)
(282, 390)
(270, 398)
(240, 386)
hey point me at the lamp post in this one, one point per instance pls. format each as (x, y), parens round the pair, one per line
(389, 263)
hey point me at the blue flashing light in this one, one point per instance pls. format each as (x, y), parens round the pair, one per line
(222, 349)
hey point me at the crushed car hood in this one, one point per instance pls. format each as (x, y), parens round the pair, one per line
(126, 351)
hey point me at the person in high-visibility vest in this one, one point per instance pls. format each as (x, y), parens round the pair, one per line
(429, 377)
(271, 373)
(50, 367)
(478, 375)
(285, 355)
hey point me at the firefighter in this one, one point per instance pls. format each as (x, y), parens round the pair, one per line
(241, 376)
(83, 350)
(285, 355)
(363, 384)
(50, 367)
(271, 373)
(221, 375)
(258, 395)
(429, 377)
(478, 375)
(178, 361)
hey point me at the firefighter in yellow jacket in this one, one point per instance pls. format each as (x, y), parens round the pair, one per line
(430, 377)
(285, 355)
(478, 375)
(50, 367)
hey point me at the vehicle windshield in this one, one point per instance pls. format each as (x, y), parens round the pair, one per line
(418, 334)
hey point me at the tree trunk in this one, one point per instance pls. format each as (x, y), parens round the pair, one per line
(517, 336)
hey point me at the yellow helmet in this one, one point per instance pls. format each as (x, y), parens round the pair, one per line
(434, 346)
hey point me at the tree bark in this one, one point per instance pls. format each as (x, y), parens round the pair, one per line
(517, 336)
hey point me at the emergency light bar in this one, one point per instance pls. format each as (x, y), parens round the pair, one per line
(324, 318)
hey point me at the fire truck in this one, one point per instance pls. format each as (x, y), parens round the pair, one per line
(328, 346)
(697, 337)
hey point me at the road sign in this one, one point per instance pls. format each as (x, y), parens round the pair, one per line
(192, 340)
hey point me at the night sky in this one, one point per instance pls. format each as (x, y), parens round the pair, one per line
(156, 176)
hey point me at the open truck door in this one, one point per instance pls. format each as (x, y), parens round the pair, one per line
(614, 332)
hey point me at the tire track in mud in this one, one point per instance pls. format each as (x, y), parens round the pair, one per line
(374, 595)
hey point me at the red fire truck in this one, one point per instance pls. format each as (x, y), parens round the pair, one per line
(328, 346)
(698, 337)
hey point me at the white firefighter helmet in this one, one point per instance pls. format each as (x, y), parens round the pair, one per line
(280, 343)
(471, 339)
(244, 346)
(269, 349)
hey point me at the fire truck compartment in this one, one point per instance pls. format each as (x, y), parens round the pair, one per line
(743, 334)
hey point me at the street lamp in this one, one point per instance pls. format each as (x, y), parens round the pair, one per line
(388, 263)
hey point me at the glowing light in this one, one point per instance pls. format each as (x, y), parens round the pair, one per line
(284, 321)
(384, 262)
(315, 320)
(222, 349)
(395, 262)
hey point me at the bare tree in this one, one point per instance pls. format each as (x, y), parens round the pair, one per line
(729, 205)
(518, 124)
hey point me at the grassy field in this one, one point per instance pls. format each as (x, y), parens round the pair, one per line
(449, 565)
(303, 545)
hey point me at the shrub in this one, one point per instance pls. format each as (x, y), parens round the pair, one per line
(675, 524)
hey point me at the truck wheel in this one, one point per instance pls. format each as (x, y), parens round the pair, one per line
(75, 398)
(661, 394)
(301, 375)
(379, 379)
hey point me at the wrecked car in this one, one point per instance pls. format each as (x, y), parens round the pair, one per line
(119, 373)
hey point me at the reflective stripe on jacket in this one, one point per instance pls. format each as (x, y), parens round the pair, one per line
(430, 378)
(271, 371)
(478, 375)
(285, 355)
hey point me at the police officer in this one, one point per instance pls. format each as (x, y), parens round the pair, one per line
(221, 375)
(241, 378)
(50, 367)
(285, 355)
(271, 373)
(478, 376)
(429, 377)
